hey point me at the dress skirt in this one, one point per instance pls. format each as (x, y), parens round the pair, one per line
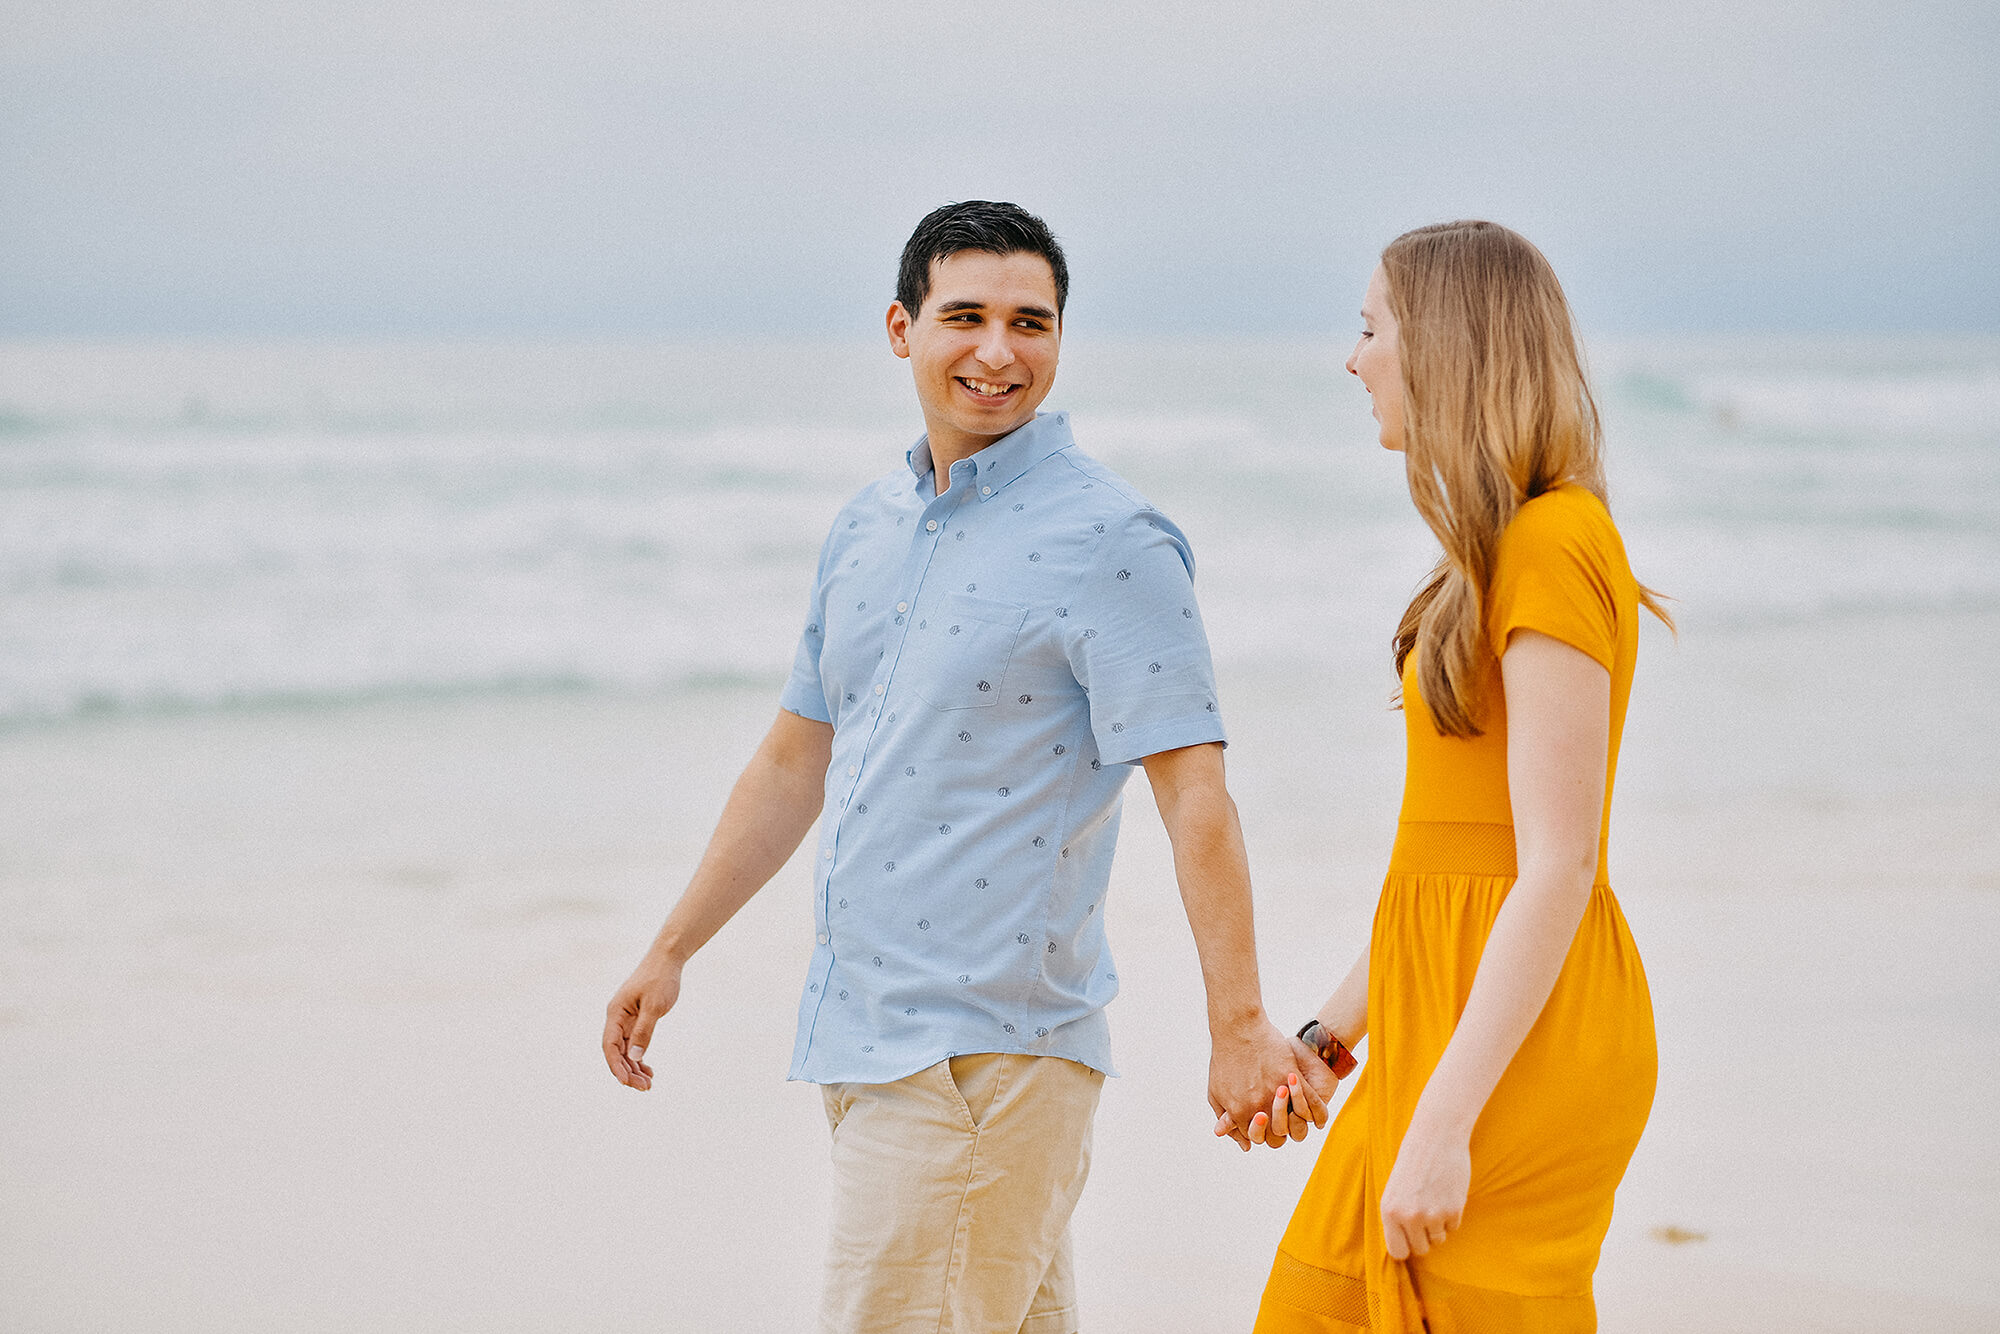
(1547, 1152)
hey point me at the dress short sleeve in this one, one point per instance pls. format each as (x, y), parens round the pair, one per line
(1556, 574)
(1135, 642)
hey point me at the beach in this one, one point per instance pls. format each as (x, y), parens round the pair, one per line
(357, 732)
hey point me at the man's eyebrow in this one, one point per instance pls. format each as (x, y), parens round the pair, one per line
(953, 307)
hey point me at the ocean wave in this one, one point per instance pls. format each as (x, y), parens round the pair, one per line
(225, 389)
(1292, 633)
(99, 705)
(1836, 390)
(157, 560)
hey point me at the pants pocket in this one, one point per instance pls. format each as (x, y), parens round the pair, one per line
(978, 1081)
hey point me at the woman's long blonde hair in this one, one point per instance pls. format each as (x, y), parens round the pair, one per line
(1496, 411)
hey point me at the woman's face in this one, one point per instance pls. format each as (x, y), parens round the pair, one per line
(1378, 361)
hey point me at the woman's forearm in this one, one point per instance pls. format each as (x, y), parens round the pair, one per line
(1524, 954)
(1558, 734)
(1345, 1013)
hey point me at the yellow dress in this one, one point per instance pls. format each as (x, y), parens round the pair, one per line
(1553, 1141)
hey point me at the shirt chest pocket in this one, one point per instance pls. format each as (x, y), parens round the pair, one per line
(963, 648)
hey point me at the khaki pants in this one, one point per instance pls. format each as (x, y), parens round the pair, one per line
(952, 1195)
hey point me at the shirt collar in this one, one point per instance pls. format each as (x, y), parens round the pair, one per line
(1001, 462)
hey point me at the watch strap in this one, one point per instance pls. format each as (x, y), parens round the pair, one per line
(1330, 1048)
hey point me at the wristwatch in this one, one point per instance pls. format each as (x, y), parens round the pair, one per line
(1330, 1048)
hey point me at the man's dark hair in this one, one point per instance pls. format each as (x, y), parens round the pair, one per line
(976, 224)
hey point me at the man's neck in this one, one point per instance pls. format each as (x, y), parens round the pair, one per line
(954, 446)
(943, 456)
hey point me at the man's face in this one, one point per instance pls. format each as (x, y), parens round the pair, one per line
(983, 348)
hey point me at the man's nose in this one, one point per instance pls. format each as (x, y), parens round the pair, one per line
(996, 347)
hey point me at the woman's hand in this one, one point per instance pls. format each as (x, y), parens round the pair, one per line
(1425, 1198)
(1296, 1108)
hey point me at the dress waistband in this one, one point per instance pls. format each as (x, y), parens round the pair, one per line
(1431, 847)
(1426, 846)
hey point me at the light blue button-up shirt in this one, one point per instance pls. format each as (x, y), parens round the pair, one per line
(992, 660)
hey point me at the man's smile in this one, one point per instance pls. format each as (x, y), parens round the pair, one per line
(987, 389)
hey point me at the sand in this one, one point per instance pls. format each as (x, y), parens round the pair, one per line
(299, 1011)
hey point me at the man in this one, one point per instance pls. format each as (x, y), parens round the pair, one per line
(997, 632)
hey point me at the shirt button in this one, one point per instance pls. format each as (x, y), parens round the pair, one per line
(827, 856)
(824, 937)
(902, 606)
(878, 690)
(851, 771)
(930, 526)
(985, 490)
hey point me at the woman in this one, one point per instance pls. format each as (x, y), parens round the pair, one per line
(1467, 1182)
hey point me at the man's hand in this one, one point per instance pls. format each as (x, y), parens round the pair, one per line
(628, 1021)
(1298, 1107)
(1244, 1070)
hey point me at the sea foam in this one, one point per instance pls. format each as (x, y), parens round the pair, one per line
(283, 525)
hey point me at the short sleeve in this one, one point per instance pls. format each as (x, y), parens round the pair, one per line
(805, 692)
(1555, 575)
(1135, 642)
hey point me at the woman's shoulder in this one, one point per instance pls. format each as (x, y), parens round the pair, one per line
(1561, 571)
(1566, 522)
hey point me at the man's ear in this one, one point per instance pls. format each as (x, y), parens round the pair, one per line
(899, 330)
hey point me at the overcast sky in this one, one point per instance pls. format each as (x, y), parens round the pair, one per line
(620, 166)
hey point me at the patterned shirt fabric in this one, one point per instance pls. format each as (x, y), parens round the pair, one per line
(992, 661)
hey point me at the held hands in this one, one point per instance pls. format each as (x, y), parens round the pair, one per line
(1424, 1200)
(1295, 1109)
(628, 1021)
(1246, 1062)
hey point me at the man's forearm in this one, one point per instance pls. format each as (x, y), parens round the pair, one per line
(1250, 1059)
(774, 803)
(1212, 866)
